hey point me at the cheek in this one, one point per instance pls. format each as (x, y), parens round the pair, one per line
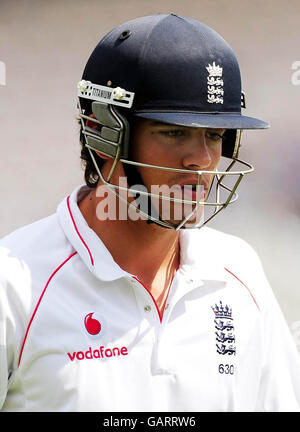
(117, 172)
(216, 153)
(153, 155)
(150, 151)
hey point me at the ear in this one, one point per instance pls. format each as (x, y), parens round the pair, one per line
(103, 156)
(91, 124)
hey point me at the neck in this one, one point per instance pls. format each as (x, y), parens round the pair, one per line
(148, 251)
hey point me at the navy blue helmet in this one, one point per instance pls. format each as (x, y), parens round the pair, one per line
(166, 68)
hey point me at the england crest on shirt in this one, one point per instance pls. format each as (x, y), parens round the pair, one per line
(224, 329)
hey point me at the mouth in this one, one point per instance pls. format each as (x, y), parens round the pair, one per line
(191, 190)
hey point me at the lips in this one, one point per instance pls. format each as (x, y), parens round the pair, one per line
(193, 192)
(189, 192)
(193, 182)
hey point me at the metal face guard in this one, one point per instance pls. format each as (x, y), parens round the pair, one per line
(218, 204)
(112, 139)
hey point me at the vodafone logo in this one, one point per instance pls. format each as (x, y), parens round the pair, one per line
(92, 324)
(95, 326)
(100, 353)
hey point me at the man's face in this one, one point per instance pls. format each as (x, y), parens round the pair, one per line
(179, 147)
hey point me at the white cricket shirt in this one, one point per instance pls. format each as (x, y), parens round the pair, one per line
(78, 333)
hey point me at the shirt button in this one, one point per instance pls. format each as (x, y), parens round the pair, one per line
(190, 281)
(147, 308)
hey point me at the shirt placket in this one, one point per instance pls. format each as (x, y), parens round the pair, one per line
(161, 362)
(150, 313)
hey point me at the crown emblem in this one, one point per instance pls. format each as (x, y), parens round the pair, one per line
(225, 338)
(222, 312)
(214, 70)
(215, 91)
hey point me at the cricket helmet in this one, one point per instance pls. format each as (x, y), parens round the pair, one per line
(171, 69)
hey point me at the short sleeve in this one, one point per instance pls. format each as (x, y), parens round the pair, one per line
(280, 373)
(15, 297)
(280, 377)
(279, 386)
(6, 337)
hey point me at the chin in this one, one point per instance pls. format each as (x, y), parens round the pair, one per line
(194, 220)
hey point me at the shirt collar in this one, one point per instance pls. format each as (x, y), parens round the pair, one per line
(84, 240)
(200, 255)
(197, 250)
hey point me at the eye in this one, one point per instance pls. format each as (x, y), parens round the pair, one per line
(214, 136)
(172, 132)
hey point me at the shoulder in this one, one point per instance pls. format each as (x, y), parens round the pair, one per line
(27, 257)
(40, 237)
(224, 247)
(234, 252)
(232, 258)
(25, 236)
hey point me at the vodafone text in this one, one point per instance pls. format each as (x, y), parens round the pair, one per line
(102, 352)
(150, 421)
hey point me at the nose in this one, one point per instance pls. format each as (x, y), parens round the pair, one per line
(197, 155)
